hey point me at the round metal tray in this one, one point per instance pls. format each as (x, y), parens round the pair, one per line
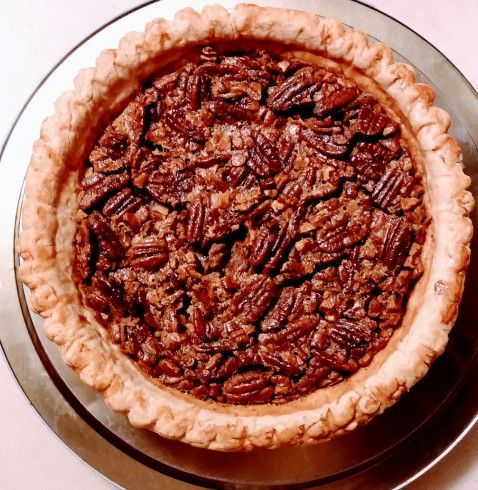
(390, 451)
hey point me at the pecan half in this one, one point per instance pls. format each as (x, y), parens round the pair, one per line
(371, 120)
(217, 257)
(348, 334)
(197, 90)
(347, 269)
(169, 368)
(263, 244)
(370, 159)
(106, 239)
(252, 300)
(208, 54)
(237, 175)
(285, 235)
(167, 188)
(209, 160)
(148, 253)
(247, 387)
(121, 203)
(293, 331)
(333, 97)
(343, 231)
(231, 365)
(283, 362)
(389, 186)
(264, 159)
(108, 156)
(199, 323)
(396, 243)
(104, 295)
(313, 376)
(319, 183)
(325, 143)
(244, 109)
(176, 121)
(338, 361)
(296, 91)
(196, 221)
(278, 316)
(99, 186)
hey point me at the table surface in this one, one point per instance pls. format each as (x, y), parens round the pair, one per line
(33, 37)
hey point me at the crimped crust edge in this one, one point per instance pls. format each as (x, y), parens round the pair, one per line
(48, 226)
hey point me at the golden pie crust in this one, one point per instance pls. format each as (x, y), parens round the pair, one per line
(51, 202)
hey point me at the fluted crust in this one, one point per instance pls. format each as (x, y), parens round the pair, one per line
(48, 222)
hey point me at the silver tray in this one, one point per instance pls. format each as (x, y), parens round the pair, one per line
(391, 451)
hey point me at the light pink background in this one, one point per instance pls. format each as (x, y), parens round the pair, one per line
(33, 37)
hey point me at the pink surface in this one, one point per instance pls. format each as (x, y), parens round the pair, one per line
(34, 36)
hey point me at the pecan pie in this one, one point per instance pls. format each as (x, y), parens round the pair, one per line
(247, 228)
(250, 227)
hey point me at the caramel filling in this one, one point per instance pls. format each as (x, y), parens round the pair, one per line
(250, 228)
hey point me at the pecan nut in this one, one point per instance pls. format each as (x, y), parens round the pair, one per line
(253, 299)
(296, 91)
(148, 253)
(249, 386)
(99, 186)
(196, 221)
(264, 159)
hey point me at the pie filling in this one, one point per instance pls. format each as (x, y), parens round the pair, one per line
(250, 227)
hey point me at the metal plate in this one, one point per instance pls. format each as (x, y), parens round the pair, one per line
(393, 449)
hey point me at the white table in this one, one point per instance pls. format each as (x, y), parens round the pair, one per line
(34, 36)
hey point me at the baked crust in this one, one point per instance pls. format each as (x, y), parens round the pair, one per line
(48, 222)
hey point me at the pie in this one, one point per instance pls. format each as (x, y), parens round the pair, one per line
(247, 228)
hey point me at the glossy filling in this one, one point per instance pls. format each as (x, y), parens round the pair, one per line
(250, 227)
